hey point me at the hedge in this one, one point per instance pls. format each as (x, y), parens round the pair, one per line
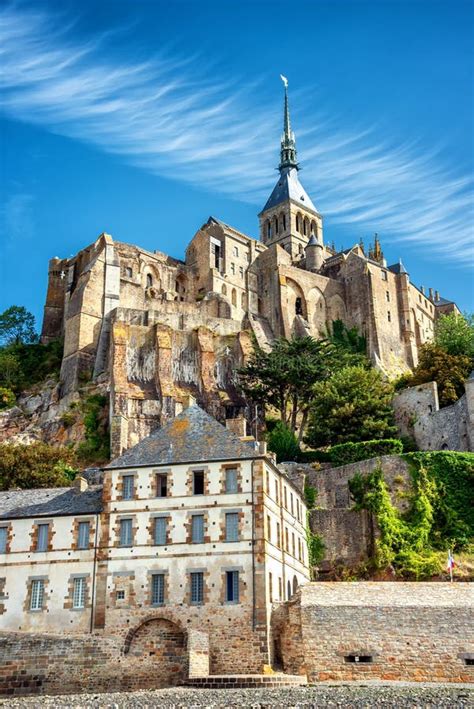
(345, 453)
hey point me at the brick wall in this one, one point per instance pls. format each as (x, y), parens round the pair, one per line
(411, 631)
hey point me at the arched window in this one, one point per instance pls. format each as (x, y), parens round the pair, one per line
(306, 226)
(224, 289)
(298, 223)
(128, 272)
(283, 222)
(276, 225)
(269, 230)
(234, 296)
(298, 306)
(289, 589)
(295, 584)
(243, 301)
(149, 280)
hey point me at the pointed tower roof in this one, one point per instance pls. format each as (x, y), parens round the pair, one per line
(288, 186)
(191, 437)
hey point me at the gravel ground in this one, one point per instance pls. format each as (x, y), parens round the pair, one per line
(323, 695)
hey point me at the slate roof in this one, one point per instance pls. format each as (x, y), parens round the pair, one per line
(398, 267)
(191, 437)
(289, 187)
(50, 502)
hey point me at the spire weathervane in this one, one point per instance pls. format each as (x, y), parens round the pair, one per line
(288, 144)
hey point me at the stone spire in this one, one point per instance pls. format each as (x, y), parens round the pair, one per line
(288, 143)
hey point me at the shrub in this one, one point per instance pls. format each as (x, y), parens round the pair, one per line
(282, 441)
(34, 465)
(7, 398)
(346, 453)
(314, 457)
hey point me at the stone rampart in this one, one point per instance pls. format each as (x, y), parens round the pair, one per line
(390, 631)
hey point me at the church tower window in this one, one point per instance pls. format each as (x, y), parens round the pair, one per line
(149, 280)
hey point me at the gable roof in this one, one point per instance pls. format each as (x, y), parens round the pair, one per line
(289, 187)
(50, 502)
(191, 437)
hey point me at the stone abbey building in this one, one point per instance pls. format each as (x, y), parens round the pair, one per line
(157, 329)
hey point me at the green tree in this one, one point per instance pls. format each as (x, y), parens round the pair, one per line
(17, 326)
(35, 465)
(284, 377)
(454, 334)
(7, 398)
(449, 371)
(353, 404)
(9, 367)
(347, 339)
(282, 441)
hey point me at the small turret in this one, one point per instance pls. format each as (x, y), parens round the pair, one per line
(314, 254)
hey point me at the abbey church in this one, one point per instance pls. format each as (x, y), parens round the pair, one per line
(158, 330)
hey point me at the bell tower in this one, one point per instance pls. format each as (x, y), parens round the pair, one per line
(289, 218)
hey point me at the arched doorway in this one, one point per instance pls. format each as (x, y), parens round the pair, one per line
(162, 642)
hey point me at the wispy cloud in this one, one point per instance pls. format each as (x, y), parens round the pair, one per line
(164, 116)
(16, 219)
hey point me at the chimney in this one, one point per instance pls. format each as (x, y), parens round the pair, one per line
(237, 426)
(422, 288)
(437, 296)
(262, 447)
(431, 294)
(80, 484)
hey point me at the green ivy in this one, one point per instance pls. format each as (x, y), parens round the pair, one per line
(315, 544)
(310, 494)
(441, 513)
(96, 447)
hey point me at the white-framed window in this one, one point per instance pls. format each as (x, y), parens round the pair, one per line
(37, 595)
(157, 589)
(232, 527)
(232, 586)
(79, 593)
(43, 534)
(127, 487)
(3, 539)
(231, 482)
(197, 587)
(197, 529)
(160, 530)
(83, 533)
(126, 532)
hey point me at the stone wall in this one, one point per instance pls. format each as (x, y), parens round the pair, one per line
(417, 414)
(59, 664)
(348, 535)
(398, 631)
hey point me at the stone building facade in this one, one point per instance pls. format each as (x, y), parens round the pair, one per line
(191, 531)
(157, 329)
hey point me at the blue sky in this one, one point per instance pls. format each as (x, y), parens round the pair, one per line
(143, 118)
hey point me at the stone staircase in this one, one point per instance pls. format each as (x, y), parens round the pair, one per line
(278, 679)
(262, 331)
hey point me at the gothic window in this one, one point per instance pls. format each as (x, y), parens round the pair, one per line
(269, 230)
(234, 296)
(306, 226)
(298, 223)
(149, 280)
(276, 225)
(298, 306)
(224, 289)
(243, 301)
(314, 229)
(283, 222)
